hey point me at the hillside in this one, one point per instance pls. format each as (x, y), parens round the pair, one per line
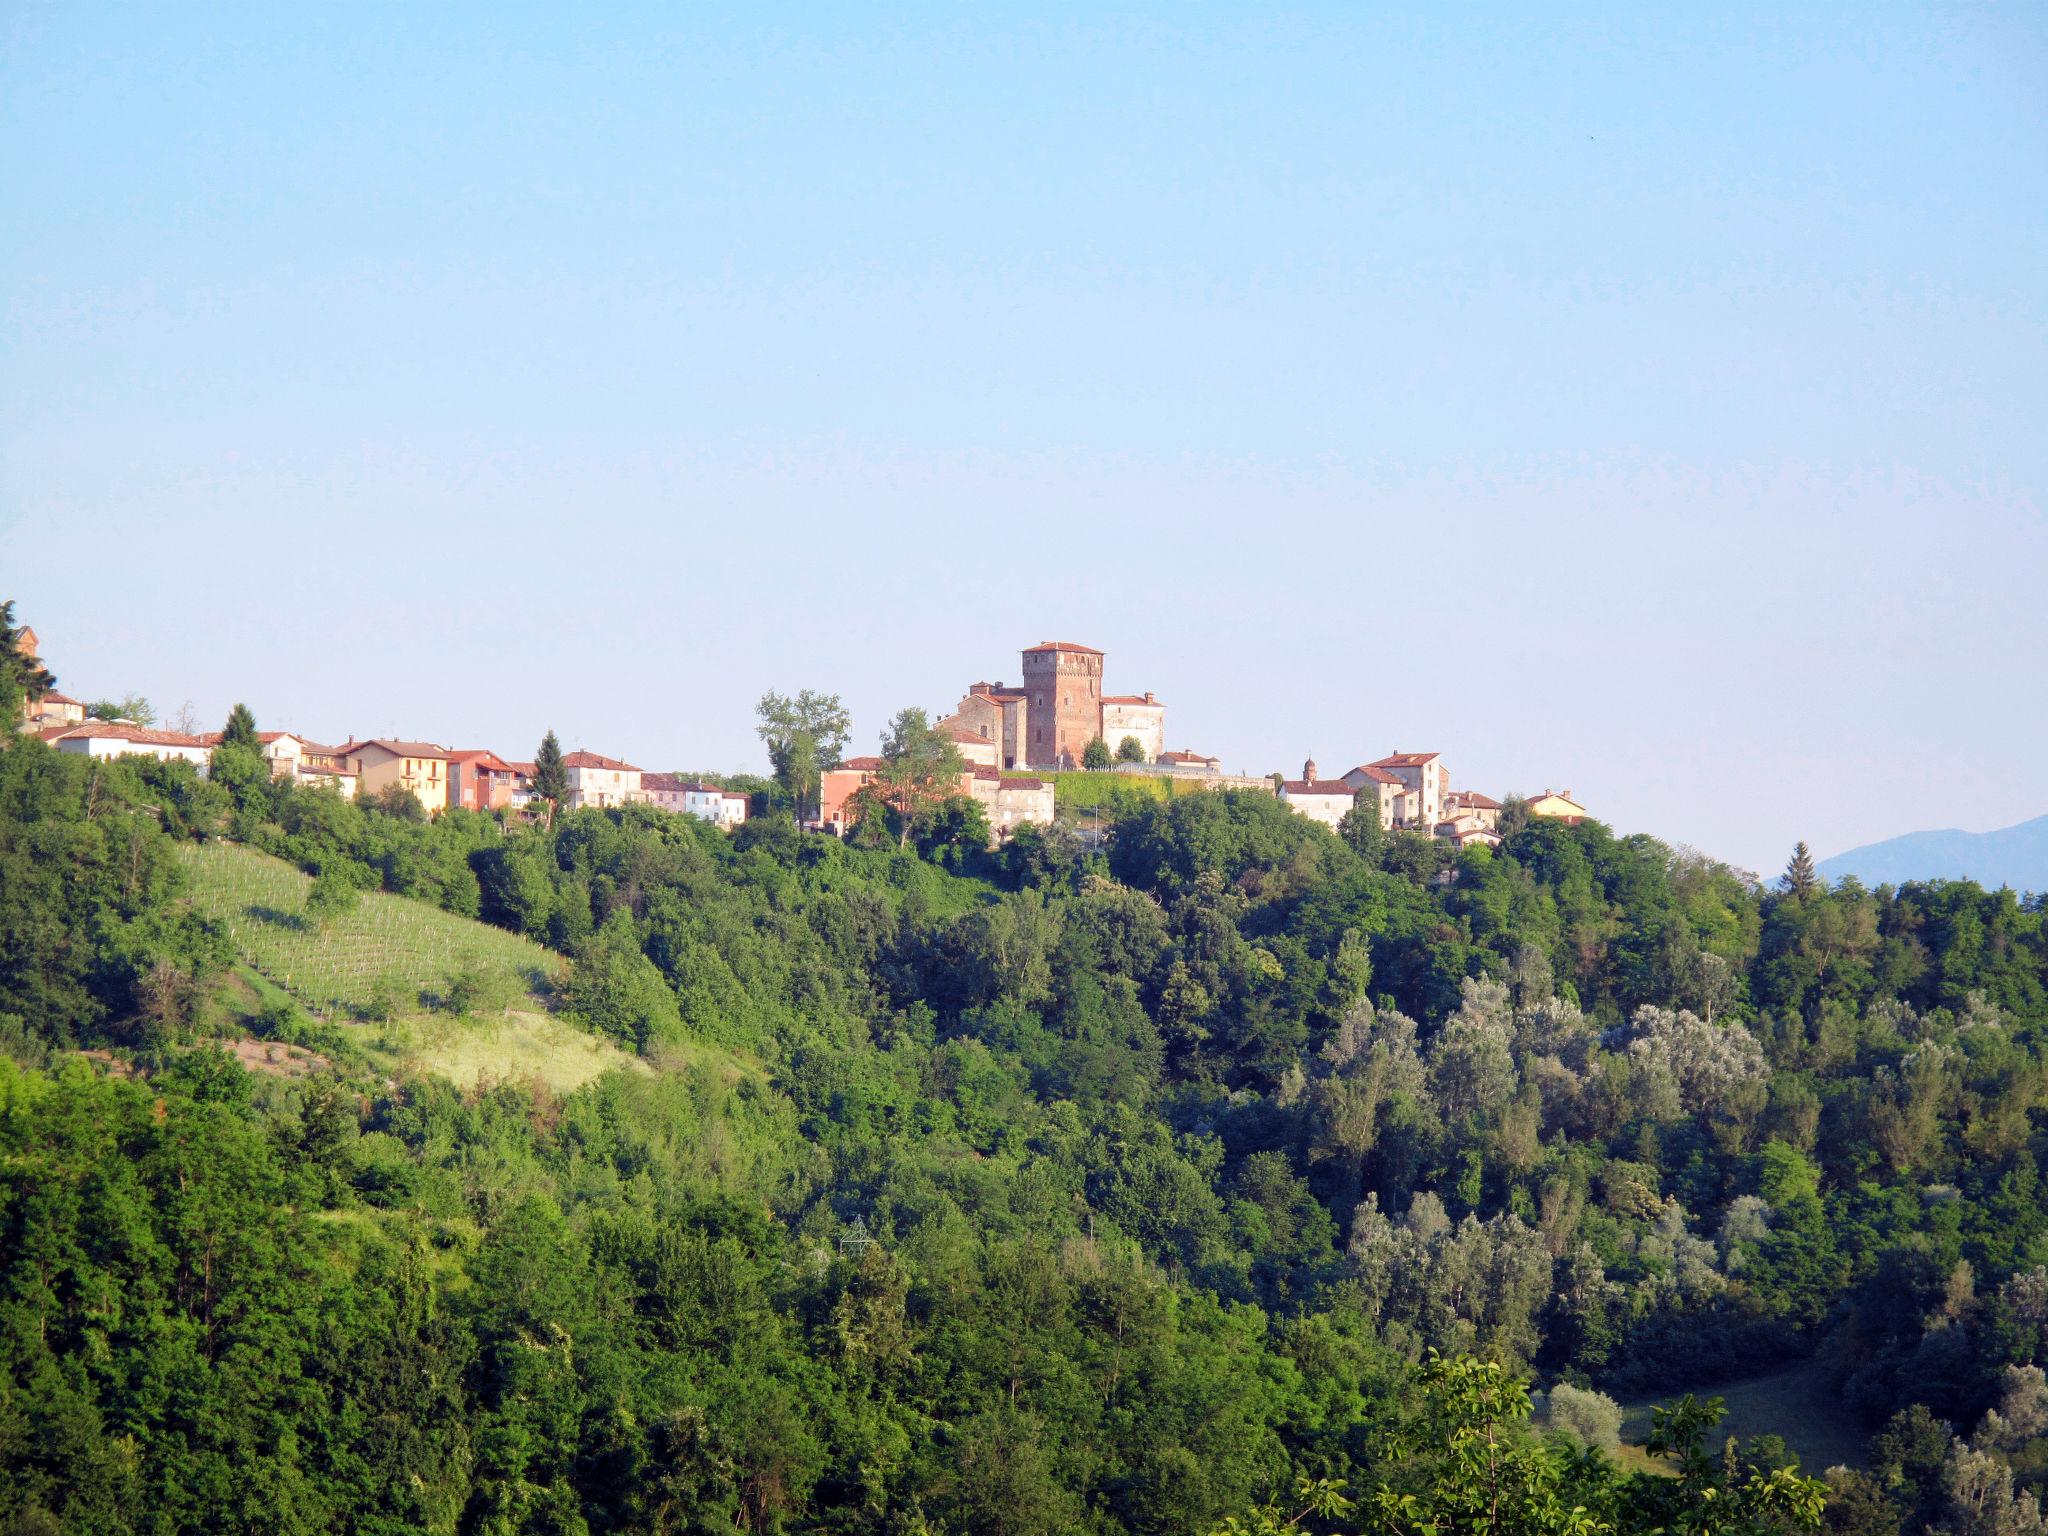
(2014, 856)
(384, 971)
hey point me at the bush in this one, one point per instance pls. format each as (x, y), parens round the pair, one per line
(1591, 1418)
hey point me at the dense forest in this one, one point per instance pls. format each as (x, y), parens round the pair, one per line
(1234, 1175)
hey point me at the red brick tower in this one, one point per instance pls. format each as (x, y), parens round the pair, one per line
(1064, 686)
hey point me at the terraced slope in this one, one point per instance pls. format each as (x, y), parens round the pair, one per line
(384, 969)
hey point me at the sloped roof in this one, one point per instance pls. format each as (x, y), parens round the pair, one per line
(582, 759)
(1137, 699)
(1296, 788)
(424, 749)
(1406, 760)
(1374, 775)
(1061, 645)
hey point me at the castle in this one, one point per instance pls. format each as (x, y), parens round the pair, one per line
(1049, 721)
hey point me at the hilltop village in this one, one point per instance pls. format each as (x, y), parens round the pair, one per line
(1011, 744)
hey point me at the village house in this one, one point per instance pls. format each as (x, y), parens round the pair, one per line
(1559, 805)
(1190, 762)
(1468, 802)
(836, 789)
(1415, 796)
(117, 738)
(975, 749)
(418, 767)
(522, 785)
(597, 780)
(720, 807)
(1008, 800)
(53, 708)
(1325, 800)
(1466, 829)
(480, 780)
(665, 791)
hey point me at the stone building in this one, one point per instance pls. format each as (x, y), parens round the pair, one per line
(1324, 800)
(1049, 721)
(1140, 717)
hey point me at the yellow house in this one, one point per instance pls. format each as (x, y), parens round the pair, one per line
(419, 766)
(1557, 803)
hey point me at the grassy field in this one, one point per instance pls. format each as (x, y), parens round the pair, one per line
(1796, 1404)
(393, 958)
(1082, 793)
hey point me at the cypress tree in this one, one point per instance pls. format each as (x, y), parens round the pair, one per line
(550, 778)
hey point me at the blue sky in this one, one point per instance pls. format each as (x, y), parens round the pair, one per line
(1642, 402)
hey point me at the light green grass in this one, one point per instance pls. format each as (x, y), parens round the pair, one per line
(406, 951)
(1797, 1404)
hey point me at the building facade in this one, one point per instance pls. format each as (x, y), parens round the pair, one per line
(418, 767)
(597, 780)
(1063, 688)
(1138, 716)
(1327, 801)
(110, 738)
(480, 780)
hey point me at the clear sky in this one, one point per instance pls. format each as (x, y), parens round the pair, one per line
(1651, 401)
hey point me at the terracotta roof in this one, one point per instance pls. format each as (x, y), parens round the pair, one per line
(1023, 784)
(1131, 698)
(1188, 757)
(1062, 645)
(1472, 798)
(663, 783)
(986, 773)
(1299, 787)
(424, 749)
(861, 765)
(140, 735)
(482, 757)
(524, 770)
(582, 759)
(1375, 775)
(54, 697)
(53, 732)
(734, 794)
(1406, 760)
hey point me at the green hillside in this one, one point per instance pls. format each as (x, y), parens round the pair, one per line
(386, 968)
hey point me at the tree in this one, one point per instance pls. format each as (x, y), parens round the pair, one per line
(921, 768)
(1799, 878)
(240, 731)
(1095, 756)
(331, 895)
(133, 707)
(804, 736)
(1361, 826)
(550, 778)
(23, 679)
(1130, 750)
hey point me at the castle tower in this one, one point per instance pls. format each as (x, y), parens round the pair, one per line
(1063, 689)
(1308, 771)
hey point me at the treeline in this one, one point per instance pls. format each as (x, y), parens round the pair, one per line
(1041, 1190)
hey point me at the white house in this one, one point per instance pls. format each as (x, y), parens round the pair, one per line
(108, 738)
(595, 779)
(1324, 800)
(720, 807)
(1423, 782)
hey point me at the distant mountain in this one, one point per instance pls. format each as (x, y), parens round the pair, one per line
(2014, 856)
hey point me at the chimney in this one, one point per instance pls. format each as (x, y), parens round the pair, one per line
(1148, 697)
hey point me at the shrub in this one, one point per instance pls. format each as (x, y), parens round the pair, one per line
(1591, 1418)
